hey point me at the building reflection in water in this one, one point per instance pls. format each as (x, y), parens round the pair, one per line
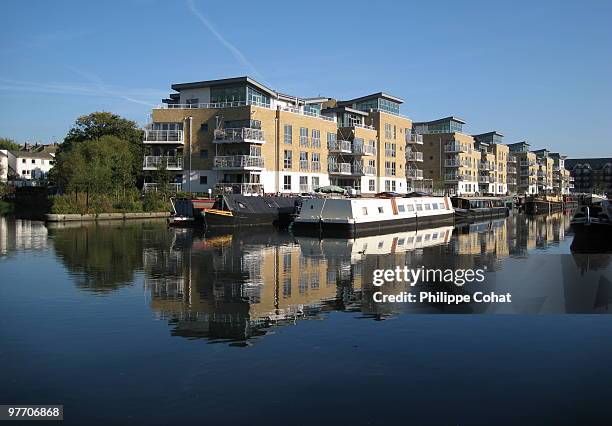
(21, 235)
(235, 287)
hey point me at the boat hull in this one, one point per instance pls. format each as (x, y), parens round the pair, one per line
(591, 238)
(478, 214)
(350, 229)
(537, 207)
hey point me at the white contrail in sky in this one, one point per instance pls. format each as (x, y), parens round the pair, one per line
(235, 51)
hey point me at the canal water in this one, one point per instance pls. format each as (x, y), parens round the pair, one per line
(135, 323)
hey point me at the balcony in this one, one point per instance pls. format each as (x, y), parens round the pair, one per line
(164, 137)
(361, 149)
(486, 166)
(315, 166)
(511, 181)
(414, 156)
(452, 177)
(456, 147)
(339, 168)
(454, 162)
(486, 179)
(239, 188)
(414, 174)
(414, 138)
(512, 160)
(215, 105)
(238, 162)
(527, 163)
(239, 135)
(172, 187)
(159, 162)
(340, 146)
(359, 125)
(511, 170)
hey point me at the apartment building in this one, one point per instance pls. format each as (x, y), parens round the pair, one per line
(527, 168)
(493, 177)
(238, 135)
(450, 158)
(561, 176)
(591, 175)
(545, 171)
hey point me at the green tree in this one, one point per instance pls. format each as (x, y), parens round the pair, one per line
(96, 125)
(9, 144)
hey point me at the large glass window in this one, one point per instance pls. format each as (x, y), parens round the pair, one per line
(288, 134)
(288, 159)
(228, 94)
(255, 97)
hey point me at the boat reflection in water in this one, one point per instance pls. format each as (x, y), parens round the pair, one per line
(238, 286)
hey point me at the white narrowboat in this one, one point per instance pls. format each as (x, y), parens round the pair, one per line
(350, 216)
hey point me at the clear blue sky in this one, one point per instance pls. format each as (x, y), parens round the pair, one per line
(539, 71)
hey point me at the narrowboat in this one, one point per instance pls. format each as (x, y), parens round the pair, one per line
(237, 211)
(367, 216)
(538, 204)
(592, 227)
(475, 208)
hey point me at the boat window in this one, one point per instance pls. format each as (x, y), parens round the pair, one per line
(410, 240)
(365, 211)
(434, 235)
(419, 239)
(427, 237)
(380, 210)
(410, 207)
(401, 208)
(419, 207)
(435, 206)
(441, 205)
(400, 242)
(242, 206)
(427, 207)
(380, 244)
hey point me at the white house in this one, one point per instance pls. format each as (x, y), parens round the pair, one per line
(30, 166)
(4, 165)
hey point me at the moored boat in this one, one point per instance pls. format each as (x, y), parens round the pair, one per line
(538, 204)
(236, 211)
(592, 227)
(475, 208)
(367, 216)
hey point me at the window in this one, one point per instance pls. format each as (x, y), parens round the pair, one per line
(393, 185)
(316, 162)
(303, 136)
(419, 207)
(372, 185)
(331, 139)
(287, 183)
(390, 149)
(23, 160)
(435, 206)
(303, 183)
(381, 210)
(388, 131)
(315, 182)
(316, 138)
(390, 168)
(427, 206)
(288, 159)
(365, 211)
(203, 153)
(203, 180)
(303, 160)
(387, 185)
(410, 207)
(288, 134)
(401, 208)
(33, 161)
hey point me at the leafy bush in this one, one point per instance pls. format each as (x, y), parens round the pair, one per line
(154, 202)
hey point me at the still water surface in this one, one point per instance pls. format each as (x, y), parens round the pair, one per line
(137, 323)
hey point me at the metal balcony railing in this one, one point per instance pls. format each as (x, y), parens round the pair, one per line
(239, 134)
(172, 187)
(415, 138)
(164, 136)
(168, 162)
(339, 168)
(239, 188)
(362, 149)
(340, 146)
(414, 173)
(238, 162)
(414, 156)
